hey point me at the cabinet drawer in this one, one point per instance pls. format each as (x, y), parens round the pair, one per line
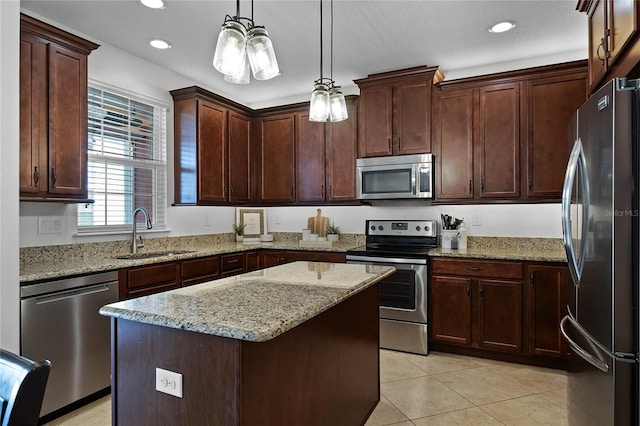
(477, 268)
(209, 266)
(232, 262)
(152, 275)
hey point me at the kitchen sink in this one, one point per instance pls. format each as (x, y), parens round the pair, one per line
(133, 256)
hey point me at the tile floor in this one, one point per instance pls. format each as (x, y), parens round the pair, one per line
(438, 389)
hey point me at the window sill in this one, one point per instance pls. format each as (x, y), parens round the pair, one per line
(124, 233)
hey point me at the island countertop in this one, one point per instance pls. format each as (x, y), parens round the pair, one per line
(256, 306)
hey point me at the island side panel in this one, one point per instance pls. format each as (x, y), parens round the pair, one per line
(209, 368)
(324, 371)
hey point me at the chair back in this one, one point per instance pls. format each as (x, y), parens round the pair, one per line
(22, 385)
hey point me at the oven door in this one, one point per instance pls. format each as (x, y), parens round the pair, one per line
(403, 295)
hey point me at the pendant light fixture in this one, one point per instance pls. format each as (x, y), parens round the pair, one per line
(327, 100)
(242, 46)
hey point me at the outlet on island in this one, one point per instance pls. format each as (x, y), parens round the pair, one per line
(169, 382)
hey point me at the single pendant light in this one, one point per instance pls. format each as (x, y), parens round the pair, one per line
(337, 103)
(242, 46)
(319, 105)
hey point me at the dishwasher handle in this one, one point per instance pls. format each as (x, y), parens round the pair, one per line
(55, 297)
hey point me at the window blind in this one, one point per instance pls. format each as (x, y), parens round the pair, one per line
(126, 161)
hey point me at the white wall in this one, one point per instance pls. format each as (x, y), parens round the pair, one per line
(9, 183)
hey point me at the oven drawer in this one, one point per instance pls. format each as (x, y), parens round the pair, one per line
(477, 268)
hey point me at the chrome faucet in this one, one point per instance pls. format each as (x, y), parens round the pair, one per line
(134, 243)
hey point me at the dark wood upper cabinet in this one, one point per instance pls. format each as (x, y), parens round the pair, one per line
(503, 137)
(277, 158)
(239, 158)
(613, 43)
(395, 112)
(311, 160)
(453, 143)
(498, 141)
(551, 102)
(53, 113)
(211, 149)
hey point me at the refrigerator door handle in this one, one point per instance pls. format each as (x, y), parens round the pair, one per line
(576, 168)
(583, 353)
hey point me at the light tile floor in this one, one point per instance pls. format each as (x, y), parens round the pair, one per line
(437, 390)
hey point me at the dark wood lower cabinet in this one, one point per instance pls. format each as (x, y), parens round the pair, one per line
(322, 372)
(499, 309)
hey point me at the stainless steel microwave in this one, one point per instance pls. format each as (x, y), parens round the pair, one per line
(397, 177)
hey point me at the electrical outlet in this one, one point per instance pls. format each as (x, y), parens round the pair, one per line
(206, 221)
(277, 219)
(49, 225)
(476, 219)
(169, 382)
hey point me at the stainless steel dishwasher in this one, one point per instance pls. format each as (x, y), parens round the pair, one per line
(60, 322)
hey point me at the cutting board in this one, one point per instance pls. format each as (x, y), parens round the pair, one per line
(318, 224)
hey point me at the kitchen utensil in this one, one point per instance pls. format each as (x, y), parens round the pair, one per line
(318, 224)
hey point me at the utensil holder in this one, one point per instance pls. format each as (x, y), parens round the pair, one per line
(449, 239)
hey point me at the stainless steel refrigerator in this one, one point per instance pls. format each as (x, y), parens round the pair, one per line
(600, 227)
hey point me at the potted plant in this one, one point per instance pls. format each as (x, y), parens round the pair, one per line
(238, 228)
(333, 232)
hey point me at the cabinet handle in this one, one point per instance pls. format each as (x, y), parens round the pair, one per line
(474, 268)
(481, 291)
(224, 190)
(54, 176)
(390, 149)
(468, 290)
(469, 186)
(398, 144)
(233, 261)
(331, 190)
(36, 176)
(482, 185)
(322, 191)
(231, 190)
(530, 183)
(531, 279)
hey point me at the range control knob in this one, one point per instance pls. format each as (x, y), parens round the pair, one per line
(380, 227)
(373, 227)
(426, 228)
(418, 228)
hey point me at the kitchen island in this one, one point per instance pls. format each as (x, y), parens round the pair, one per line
(288, 345)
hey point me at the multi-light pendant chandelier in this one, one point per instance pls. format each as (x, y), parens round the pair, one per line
(243, 45)
(327, 100)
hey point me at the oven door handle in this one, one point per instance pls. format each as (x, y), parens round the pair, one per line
(386, 260)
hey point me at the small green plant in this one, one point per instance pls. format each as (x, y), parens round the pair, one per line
(333, 229)
(238, 228)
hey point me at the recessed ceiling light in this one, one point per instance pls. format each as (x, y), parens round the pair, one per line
(501, 27)
(154, 4)
(160, 44)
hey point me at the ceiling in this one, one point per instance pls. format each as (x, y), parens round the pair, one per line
(370, 36)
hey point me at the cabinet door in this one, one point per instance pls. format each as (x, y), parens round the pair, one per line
(375, 121)
(550, 104)
(597, 43)
(277, 159)
(498, 141)
(453, 129)
(310, 164)
(33, 112)
(499, 315)
(621, 16)
(239, 158)
(412, 119)
(547, 300)
(212, 152)
(271, 258)
(253, 261)
(67, 122)
(451, 309)
(342, 151)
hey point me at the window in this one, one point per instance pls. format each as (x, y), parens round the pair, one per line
(127, 164)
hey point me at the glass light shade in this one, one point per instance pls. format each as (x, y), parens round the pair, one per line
(241, 78)
(230, 50)
(337, 105)
(262, 57)
(319, 106)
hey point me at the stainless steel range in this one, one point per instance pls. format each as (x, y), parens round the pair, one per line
(403, 244)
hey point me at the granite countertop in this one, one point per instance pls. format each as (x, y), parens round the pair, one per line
(506, 248)
(55, 262)
(255, 306)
